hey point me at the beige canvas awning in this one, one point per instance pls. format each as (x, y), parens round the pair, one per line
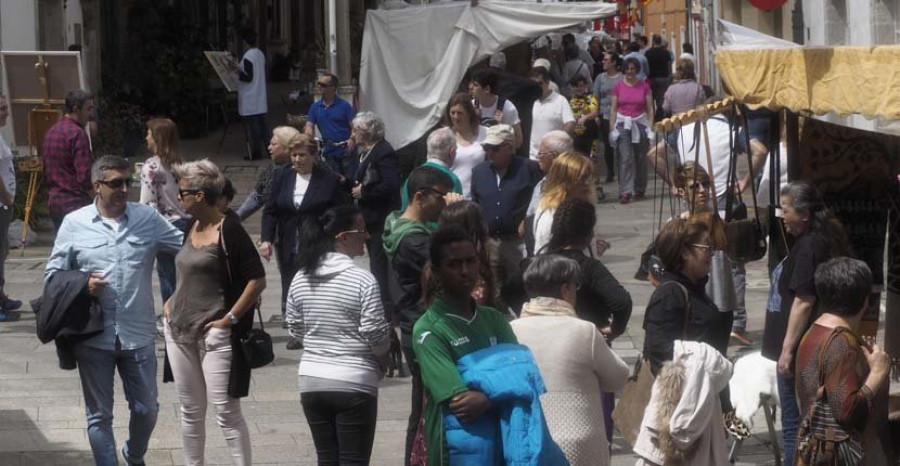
(843, 80)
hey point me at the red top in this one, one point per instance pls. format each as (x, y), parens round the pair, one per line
(67, 167)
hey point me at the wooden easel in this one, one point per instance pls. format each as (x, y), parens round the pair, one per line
(40, 120)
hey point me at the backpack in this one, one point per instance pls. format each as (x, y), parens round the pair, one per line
(490, 120)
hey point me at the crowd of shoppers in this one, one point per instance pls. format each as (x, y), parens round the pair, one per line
(452, 265)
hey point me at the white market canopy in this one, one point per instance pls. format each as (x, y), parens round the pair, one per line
(413, 59)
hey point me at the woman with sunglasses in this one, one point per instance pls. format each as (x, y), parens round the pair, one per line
(220, 278)
(160, 191)
(334, 309)
(298, 195)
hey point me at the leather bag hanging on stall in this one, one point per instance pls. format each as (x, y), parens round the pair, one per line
(745, 239)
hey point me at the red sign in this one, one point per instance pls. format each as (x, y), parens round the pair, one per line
(768, 5)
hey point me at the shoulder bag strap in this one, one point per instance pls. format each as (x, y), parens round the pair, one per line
(746, 128)
(230, 277)
(820, 392)
(687, 312)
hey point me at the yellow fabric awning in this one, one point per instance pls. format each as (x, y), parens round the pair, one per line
(843, 80)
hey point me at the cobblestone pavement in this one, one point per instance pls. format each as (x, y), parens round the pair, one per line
(41, 407)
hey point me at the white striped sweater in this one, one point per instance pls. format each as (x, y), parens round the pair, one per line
(338, 316)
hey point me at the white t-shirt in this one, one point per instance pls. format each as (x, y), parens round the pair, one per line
(718, 145)
(548, 115)
(543, 224)
(468, 158)
(300, 188)
(510, 112)
(7, 168)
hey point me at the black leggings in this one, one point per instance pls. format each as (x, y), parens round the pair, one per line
(418, 391)
(342, 425)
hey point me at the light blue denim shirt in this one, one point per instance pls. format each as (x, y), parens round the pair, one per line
(125, 260)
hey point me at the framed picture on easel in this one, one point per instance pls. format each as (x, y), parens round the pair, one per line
(36, 85)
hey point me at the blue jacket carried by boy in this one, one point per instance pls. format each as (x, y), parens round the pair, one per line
(509, 376)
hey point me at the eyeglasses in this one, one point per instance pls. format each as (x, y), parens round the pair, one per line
(705, 247)
(321, 84)
(117, 183)
(697, 184)
(351, 232)
(188, 192)
(435, 191)
(546, 154)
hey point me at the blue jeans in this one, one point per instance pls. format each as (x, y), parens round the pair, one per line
(790, 415)
(165, 265)
(137, 369)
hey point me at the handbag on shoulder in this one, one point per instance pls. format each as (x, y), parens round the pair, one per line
(821, 441)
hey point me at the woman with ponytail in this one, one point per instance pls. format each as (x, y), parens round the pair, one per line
(791, 308)
(334, 309)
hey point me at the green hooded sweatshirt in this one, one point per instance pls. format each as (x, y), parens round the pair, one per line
(396, 228)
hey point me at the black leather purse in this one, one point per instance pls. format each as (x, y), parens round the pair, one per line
(257, 345)
(745, 240)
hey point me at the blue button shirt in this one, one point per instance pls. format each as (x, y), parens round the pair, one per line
(124, 259)
(333, 122)
(505, 199)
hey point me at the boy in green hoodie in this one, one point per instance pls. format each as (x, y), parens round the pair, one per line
(407, 237)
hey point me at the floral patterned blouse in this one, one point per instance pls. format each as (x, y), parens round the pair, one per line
(159, 189)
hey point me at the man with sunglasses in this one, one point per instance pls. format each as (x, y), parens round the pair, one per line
(407, 237)
(116, 241)
(333, 115)
(503, 186)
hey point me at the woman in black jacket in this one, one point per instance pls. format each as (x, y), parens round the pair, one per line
(302, 192)
(601, 299)
(376, 189)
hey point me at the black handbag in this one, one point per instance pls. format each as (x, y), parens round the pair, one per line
(257, 344)
(745, 240)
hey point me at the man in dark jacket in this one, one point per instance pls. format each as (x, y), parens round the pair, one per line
(376, 189)
(407, 237)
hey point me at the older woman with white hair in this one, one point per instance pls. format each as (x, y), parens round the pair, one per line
(210, 313)
(283, 138)
(576, 364)
(376, 189)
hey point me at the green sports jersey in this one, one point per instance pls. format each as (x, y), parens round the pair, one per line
(440, 338)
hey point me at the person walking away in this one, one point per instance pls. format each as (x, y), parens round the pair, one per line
(631, 114)
(252, 99)
(791, 307)
(659, 64)
(68, 160)
(377, 193)
(160, 191)
(577, 365)
(462, 118)
(209, 315)
(283, 138)
(333, 116)
(7, 203)
(603, 86)
(549, 113)
(407, 236)
(334, 309)
(503, 187)
(116, 242)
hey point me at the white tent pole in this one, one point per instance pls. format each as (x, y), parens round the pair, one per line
(332, 38)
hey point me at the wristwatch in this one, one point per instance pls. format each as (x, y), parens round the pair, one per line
(232, 318)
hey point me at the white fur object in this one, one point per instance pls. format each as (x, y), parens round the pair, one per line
(753, 377)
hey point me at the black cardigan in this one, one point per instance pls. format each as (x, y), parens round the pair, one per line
(601, 298)
(242, 259)
(664, 319)
(379, 178)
